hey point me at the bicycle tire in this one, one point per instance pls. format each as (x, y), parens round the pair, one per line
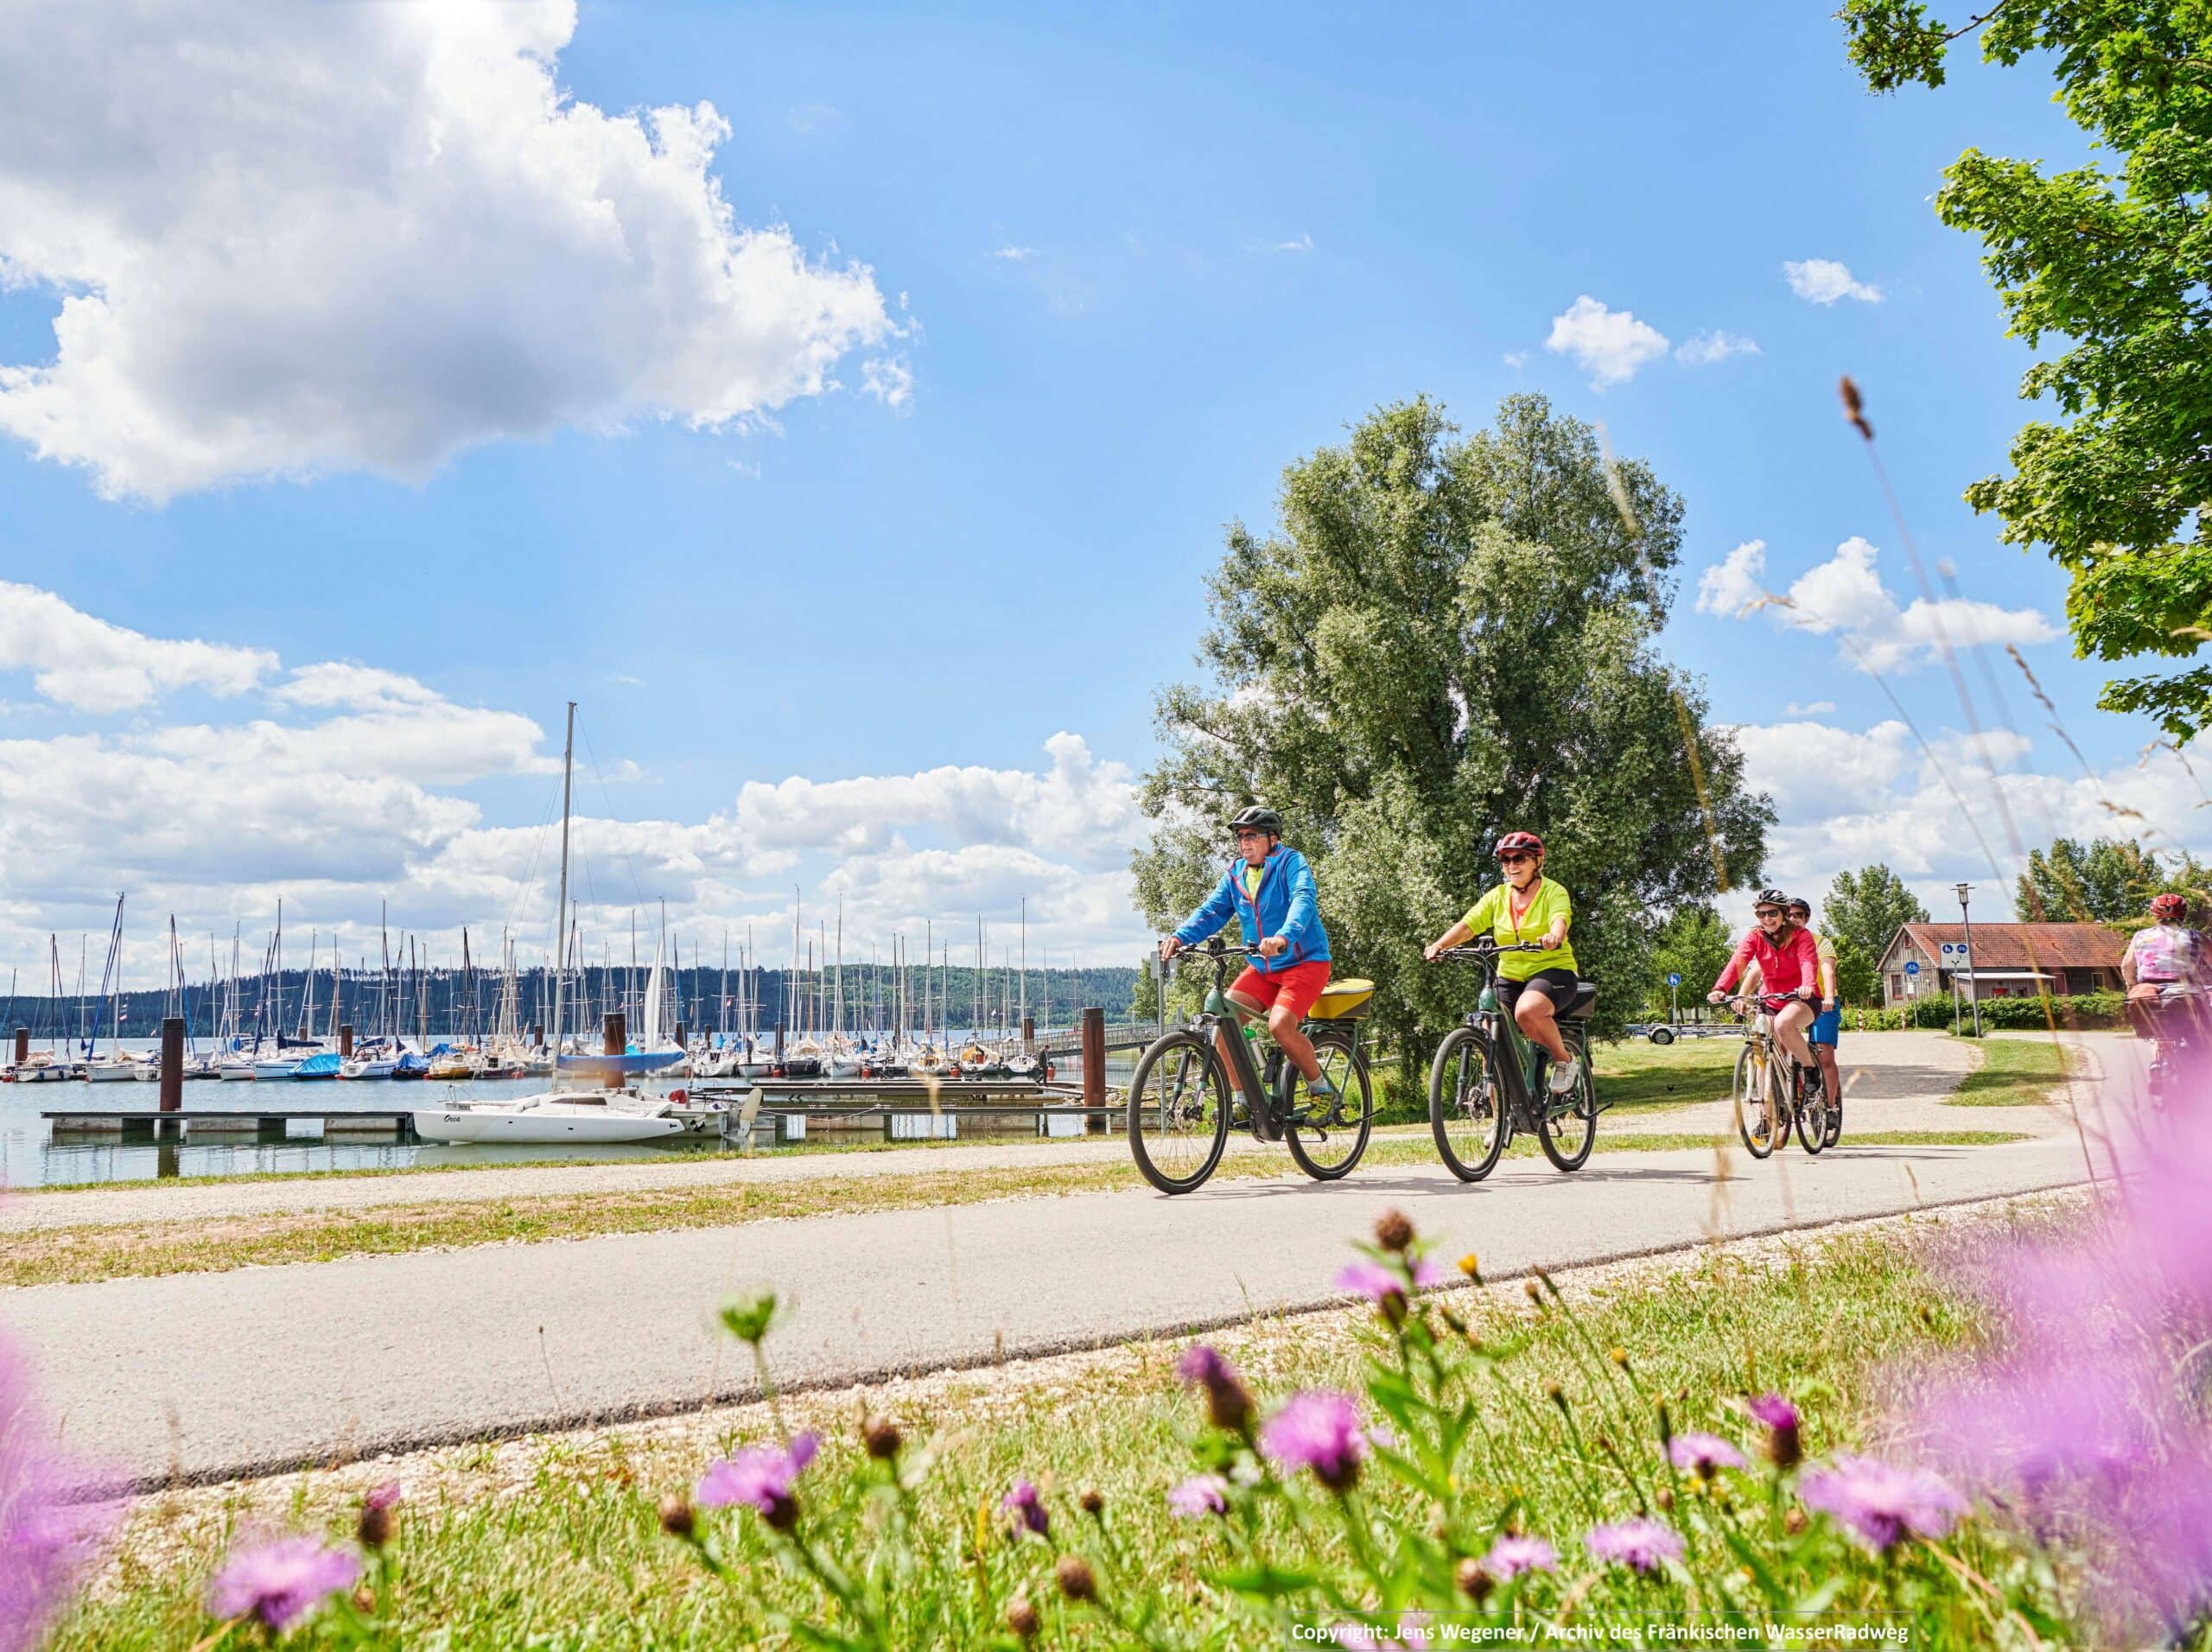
(1749, 1093)
(1215, 1098)
(1549, 1133)
(1813, 1124)
(1320, 1167)
(1465, 1059)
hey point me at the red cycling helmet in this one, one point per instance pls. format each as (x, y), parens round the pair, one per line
(1520, 843)
(2169, 906)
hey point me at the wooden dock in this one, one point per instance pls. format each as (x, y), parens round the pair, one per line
(285, 1124)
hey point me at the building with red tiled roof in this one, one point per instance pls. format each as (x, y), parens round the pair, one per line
(2008, 960)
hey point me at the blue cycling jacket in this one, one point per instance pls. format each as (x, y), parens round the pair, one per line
(1288, 904)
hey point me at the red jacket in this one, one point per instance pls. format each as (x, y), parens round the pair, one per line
(1784, 969)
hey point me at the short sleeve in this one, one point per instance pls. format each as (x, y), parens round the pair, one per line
(1483, 914)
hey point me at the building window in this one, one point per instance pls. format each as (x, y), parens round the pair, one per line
(1897, 985)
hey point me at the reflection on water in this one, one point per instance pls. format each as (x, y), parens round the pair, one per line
(30, 1157)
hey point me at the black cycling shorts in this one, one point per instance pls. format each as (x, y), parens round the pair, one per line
(1558, 985)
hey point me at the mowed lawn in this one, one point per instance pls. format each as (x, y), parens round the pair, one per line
(1636, 1072)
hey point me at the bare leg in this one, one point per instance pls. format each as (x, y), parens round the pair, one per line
(1283, 1026)
(1533, 1014)
(1829, 1076)
(1789, 1024)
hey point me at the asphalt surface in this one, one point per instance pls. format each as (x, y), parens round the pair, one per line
(218, 1375)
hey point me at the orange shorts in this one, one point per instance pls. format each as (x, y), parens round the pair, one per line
(1294, 988)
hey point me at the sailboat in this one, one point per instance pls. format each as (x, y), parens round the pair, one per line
(556, 1115)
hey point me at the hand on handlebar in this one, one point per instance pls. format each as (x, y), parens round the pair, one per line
(1716, 996)
(1273, 946)
(1169, 946)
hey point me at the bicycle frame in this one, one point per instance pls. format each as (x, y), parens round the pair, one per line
(1522, 1072)
(1217, 1013)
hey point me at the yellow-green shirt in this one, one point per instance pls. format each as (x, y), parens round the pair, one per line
(1494, 912)
(1252, 876)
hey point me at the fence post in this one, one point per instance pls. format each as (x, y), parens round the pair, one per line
(1094, 1069)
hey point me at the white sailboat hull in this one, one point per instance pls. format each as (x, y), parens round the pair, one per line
(541, 1125)
(111, 1072)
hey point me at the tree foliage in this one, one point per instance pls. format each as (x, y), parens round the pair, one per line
(1862, 914)
(2110, 881)
(2113, 264)
(1445, 639)
(1694, 945)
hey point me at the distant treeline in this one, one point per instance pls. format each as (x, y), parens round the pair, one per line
(455, 1004)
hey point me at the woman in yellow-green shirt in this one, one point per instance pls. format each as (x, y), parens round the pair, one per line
(1527, 906)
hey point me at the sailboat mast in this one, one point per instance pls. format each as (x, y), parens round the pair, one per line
(561, 906)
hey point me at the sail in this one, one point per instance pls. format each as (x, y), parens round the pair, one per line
(652, 1036)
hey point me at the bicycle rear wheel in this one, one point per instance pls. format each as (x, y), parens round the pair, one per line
(1752, 1094)
(1178, 1112)
(1328, 1143)
(1465, 1112)
(1566, 1128)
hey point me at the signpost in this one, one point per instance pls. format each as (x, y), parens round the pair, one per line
(1911, 977)
(1959, 960)
(1674, 999)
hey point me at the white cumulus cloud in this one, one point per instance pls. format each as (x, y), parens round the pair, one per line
(1702, 349)
(1610, 345)
(91, 665)
(1823, 281)
(1845, 596)
(290, 239)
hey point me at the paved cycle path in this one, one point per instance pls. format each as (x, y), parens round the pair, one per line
(213, 1375)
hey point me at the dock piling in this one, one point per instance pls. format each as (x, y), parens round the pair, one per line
(345, 1041)
(1094, 1068)
(172, 1075)
(617, 1040)
(22, 1046)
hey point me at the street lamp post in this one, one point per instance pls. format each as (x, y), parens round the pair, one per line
(1973, 985)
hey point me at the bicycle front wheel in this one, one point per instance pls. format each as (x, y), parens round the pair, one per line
(1813, 1121)
(1178, 1112)
(1568, 1128)
(1328, 1141)
(1465, 1111)
(1752, 1088)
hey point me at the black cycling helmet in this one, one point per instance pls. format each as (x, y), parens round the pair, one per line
(1771, 898)
(1258, 818)
(1798, 904)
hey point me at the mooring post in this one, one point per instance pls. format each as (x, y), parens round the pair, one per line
(618, 1033)
(171, 1064)
(22, 1046)
(1094, 1069)
(682, 1043)
(1028, 1029)
(537, 1036)
(346, 1040)
(779, 1041)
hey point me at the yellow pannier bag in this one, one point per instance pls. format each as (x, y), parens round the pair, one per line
(1343, 1001)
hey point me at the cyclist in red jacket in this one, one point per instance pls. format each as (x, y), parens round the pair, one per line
(1789, 969)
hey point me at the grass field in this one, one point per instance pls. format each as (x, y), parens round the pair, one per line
(2017, 1070)
(559, 1548)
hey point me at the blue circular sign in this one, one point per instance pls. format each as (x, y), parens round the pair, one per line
(1912, 966)
(1674, 979)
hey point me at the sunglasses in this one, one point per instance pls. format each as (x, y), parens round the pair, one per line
(1514, 859)
(1768, 911)
(1251, 837)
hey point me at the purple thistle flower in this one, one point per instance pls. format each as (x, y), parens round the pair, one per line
(1229, 1403)
(1027, 1509)
(761, 1477)
(1319, 1431)
(1642, 1545)
(1773, 1410)
(282, 1580)
(1200, 1495)
(1703, 1455)
(1372, 1280)
(1880, 1504)
(1509, 1557)
(45, 1541)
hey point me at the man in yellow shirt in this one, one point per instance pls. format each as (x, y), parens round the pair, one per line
(1827, 1025)
(1534, 988)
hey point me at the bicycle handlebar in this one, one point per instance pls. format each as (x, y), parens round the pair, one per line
(1481, 949)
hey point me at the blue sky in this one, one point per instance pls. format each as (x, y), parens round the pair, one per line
(1130, 263)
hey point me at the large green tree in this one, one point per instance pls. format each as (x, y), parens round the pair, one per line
(1694, 945)
(1445, 638)
(2112, 264)
(1862, 914)
(2108, 880)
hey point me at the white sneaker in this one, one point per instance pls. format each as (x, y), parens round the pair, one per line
(1564, 1074)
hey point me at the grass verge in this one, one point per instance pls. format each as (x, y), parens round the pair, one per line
(216, 1244)
(2027, 1070)
(559, 1547)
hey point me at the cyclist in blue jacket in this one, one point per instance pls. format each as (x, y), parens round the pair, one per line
(1270, 891)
